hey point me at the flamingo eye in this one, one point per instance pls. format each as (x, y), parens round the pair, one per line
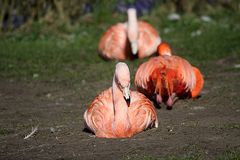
(129, 86)
(119, 85)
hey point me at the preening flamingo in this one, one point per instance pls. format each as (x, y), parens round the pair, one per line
(167, 77)
(129, 40)
(118, 112)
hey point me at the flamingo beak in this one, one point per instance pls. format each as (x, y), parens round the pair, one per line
(126, 94)
(134, 47)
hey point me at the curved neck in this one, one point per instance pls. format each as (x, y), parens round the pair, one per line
(120, 107)
(132, 25)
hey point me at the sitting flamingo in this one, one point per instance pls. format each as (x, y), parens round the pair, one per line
(118, 112)
(129, 40)
(166, 78)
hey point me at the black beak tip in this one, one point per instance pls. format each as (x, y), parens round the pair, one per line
(128, 100)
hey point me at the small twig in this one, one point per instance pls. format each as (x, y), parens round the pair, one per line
(30, 134)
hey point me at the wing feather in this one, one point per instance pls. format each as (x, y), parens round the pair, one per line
(177, 65)
(148, 39)
(100, 112)
(141, 112)
(113, 43)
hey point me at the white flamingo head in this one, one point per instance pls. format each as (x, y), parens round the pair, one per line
(122, 78)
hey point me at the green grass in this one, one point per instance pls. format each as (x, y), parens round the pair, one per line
(230, 155)
(70, 54)
(4, 131)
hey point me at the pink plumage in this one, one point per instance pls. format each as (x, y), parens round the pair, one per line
(118, 112)
(167, 77)
(129, 40)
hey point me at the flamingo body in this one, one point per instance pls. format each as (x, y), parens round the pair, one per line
(116, 41)
(110, 116)
(166, 77)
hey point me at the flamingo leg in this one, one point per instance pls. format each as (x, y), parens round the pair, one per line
(171, 100)
(159, 99)
(158, 91)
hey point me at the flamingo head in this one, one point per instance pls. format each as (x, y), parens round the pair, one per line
(164, 49)
(122, 77)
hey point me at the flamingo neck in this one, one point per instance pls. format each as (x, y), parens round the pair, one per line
(132, 30)
(121, 120)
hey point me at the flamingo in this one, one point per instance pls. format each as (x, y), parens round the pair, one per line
(167, 77)
(118, 112)
(129, 40)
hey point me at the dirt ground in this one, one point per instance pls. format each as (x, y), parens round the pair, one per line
(206, 127)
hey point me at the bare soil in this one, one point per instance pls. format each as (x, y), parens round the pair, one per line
(206, 127)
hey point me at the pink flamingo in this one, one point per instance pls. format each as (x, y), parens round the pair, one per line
(167, 77)
(118, 112)
(143, 39)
